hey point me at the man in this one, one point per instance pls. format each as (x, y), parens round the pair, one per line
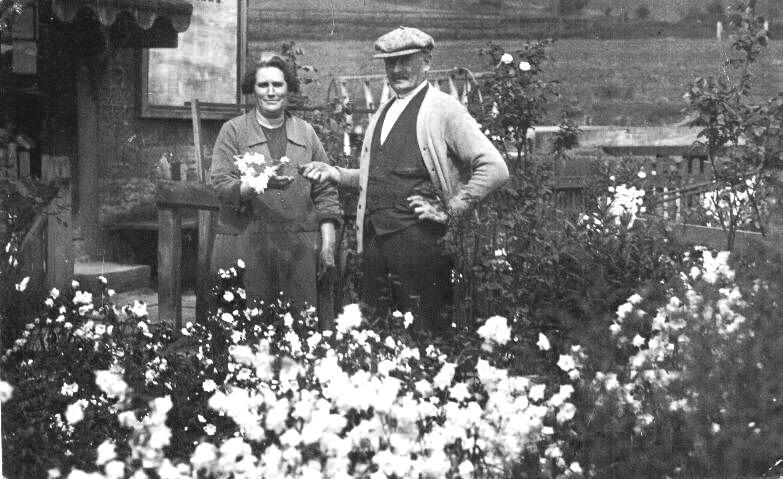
(424, 161)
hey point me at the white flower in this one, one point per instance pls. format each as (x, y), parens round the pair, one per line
(139, 309)
(228, 296)
(459, 392)
(210, 429)
(105, 452)
(575, 468)
(350, 318)
(566, 412)
(204, 454)
(543, 342)
(641, 174)
(22, 285)
(407, 319)
(614, 329)
(69, 389)
(624, 310)
(537, 392)
(6, 391)
(115, 470)
(566, 362)
(74, 413)
(466, 468)
(227, 317)
(54, 293)
(82, 297)
(240, 264)
(506, 58)
(111, 383)
(74, 284)
(638, 341)
(209, 385)
(495, 329)
(635, 299)
(443, 379)
(524, 66)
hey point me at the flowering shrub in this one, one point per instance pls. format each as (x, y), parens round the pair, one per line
(258, 391)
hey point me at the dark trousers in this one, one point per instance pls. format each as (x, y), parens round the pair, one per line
(408, 270)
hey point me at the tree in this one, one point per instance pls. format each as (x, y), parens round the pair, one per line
(741, 134)
(642, 12)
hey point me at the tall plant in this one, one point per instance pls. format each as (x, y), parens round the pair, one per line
(742, 136)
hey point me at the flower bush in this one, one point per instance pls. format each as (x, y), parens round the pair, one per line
(258, 391)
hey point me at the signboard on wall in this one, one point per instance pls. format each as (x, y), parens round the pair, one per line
(206, 65)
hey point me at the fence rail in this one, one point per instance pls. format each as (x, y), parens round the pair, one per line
(46, 250)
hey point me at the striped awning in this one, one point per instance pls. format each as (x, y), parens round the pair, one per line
(144, 12)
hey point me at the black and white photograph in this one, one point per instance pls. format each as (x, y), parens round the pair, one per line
(391, 239)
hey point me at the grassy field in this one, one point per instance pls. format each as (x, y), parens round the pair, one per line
(665, 10)
(634, 82)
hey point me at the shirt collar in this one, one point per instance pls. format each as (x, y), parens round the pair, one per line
(412, 93)
(294, 131)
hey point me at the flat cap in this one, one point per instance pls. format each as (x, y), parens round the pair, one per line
(403, 41)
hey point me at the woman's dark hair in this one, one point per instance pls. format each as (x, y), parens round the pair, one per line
(268, 59)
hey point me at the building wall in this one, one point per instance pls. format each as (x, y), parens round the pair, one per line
(131, 146)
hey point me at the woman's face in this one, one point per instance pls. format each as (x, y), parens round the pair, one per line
(271, 91)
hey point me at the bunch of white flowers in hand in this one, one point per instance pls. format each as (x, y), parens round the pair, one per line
(259, 174)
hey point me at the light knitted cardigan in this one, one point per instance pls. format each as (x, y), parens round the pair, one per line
(463, 164)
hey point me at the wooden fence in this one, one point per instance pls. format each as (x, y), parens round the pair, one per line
(46, 251)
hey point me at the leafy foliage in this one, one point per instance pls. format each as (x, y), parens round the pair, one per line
(742, 138)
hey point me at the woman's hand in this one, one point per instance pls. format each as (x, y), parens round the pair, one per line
(246, 190)
(326, 264)
(319, 172)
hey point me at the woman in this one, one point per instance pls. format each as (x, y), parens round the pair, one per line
(286, 236)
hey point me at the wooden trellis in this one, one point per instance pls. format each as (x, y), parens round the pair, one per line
(371, 91)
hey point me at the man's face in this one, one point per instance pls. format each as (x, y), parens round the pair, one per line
(407, 72)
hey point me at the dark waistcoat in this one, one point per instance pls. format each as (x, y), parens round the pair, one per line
(397, 171)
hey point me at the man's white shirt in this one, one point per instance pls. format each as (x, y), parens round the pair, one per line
(396, 108)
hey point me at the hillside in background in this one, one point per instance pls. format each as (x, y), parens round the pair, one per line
(611, 70)
(661, 10)
(477, 19)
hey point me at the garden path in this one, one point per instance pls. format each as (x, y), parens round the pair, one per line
(150, 297)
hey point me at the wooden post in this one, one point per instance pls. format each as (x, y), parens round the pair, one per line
(719, 31)
(206, 237)
(206, 224)
(172, 197)
(169, 265)
(87, 182)
(59, 236)
(59, 242)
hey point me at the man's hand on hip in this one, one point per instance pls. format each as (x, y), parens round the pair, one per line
(319, 172)
(431, 209)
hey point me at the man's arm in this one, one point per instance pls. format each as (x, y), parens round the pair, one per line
(470, 147)
(322, 172)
